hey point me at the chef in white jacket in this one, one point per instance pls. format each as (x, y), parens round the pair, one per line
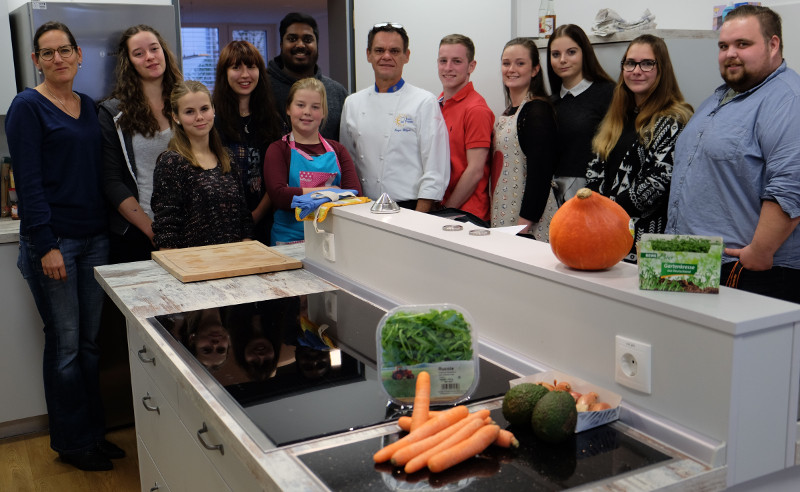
(394, 131)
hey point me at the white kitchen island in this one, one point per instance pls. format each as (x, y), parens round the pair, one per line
(711, 353)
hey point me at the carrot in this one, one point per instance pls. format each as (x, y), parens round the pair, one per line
(465, 449)
(405, 454)
(422, 400)
(404, 422)
(421, 460)
(506, 439)
(429, 428)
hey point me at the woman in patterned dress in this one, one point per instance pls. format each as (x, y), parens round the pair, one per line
(635, 142)
(525, 153)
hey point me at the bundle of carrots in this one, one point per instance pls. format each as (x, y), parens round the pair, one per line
(440, 440)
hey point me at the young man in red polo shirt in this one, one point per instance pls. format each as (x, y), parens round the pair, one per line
(469, 122)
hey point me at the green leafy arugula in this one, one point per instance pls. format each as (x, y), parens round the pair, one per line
(416, 338)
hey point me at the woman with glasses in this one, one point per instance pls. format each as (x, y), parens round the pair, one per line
(247, 124)
(581, 91)
(635, 142)
(56, 153)
(136, 129)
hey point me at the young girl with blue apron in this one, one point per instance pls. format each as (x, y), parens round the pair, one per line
(305, 171)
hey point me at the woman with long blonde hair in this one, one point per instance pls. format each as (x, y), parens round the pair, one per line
(197, 194)
(635, 142)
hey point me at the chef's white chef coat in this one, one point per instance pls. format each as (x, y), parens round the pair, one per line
(398, 142)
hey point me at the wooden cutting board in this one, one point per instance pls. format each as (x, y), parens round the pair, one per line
(223, 260)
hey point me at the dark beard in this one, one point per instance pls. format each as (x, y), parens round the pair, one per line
(289, 64)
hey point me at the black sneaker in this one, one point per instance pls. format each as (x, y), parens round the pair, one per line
(110, 450)
(87, 460)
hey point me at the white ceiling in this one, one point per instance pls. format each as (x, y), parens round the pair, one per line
(247, 11)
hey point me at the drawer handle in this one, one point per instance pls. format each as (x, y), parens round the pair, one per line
(210, 447)
(155, 487)
(144, 359)
(147, 398)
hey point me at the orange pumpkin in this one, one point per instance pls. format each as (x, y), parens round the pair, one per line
(590, 232)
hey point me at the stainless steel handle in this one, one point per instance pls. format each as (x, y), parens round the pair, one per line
(146, 360)
(155, 487)
(210, 447)
(147, 398)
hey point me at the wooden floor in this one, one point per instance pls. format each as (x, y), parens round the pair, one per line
(27, 464)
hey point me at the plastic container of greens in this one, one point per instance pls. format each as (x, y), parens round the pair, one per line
(438, 338)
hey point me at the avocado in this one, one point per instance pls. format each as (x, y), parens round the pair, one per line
(519, 401)
(554, 417)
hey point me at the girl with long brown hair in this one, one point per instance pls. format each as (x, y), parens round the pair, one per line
(635, 143)
(524, 144)
(247, 123)
(135, 121)
(197, 194)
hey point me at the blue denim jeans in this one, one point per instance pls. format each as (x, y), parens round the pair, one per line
(70, 310)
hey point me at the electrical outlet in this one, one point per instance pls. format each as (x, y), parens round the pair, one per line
(328, 250)
(633, 364)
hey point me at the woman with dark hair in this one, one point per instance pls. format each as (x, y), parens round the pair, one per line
(635, 143)
(197, 194)
(136, 128)
(247, 123)
(581, 91)
(525, 152)
(56, 153)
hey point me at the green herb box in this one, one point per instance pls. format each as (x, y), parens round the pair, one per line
(680, 263)
(437, 338)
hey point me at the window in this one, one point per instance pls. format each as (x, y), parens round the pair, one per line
(201, 46)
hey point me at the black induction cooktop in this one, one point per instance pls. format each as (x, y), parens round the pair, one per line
(300, 367)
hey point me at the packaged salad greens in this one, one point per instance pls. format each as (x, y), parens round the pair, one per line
(437, 338)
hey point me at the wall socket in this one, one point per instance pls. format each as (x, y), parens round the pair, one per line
(633, 364)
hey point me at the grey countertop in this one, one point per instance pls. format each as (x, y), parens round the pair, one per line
(9, 230)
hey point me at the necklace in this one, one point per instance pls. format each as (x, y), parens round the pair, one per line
(246, 119)
(77, 98)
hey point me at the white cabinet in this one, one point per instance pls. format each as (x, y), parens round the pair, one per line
(177, 442)
(8, 84)
(21, 364)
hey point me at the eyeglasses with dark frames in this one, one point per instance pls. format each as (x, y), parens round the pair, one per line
(64, 52)
(645, 65)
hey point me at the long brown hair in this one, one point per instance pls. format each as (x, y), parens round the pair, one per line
(665, 99)
(136, 114)
(180, 141)
(266, 124)
(591, 68)
(536, 88)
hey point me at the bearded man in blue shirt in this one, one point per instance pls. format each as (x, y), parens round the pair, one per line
(737, 162)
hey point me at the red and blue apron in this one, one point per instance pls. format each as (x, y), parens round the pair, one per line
(305, 171)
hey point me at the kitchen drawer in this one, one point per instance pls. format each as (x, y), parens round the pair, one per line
(173, 449)
(149, 476)
(226, 462)
(147, 355)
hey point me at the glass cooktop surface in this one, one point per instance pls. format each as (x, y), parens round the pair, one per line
(300, 367)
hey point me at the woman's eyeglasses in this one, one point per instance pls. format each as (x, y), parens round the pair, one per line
(645, 65)
(64, 52)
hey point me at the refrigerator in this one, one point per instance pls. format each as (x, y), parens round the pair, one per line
(97, 28)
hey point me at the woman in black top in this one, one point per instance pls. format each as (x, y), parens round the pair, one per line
(247, 124)
(581, 91)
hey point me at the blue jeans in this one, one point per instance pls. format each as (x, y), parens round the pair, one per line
(70, 310)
